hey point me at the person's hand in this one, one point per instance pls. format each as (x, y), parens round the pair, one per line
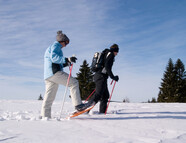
(116, 78)
(72, 59)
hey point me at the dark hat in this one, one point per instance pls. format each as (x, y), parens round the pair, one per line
(62, 37)
(114, 48)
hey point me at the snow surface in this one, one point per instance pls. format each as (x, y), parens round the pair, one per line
(124, 123)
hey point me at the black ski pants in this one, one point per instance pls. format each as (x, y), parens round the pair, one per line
(102, 93)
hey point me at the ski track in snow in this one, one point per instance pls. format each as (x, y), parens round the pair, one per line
(124, 123)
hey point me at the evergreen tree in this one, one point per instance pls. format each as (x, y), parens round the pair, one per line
(126, 100)
(40, 97)
(153, 100)
(85, 78)
(181, 84)
(168, 85)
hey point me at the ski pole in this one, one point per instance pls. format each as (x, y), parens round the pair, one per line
(90, 95)
(66, 90)
(94, 91)
(111, 82)
(110, 97)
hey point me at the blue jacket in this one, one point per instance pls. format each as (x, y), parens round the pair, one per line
(53, 60)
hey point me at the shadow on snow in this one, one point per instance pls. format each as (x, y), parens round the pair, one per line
(139, 115)
(8, 138)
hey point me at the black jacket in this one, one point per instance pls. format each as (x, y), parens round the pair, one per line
(108, 63)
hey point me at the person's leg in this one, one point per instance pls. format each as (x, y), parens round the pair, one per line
(104, 100)
(50, 94)
(99, 90)
(61, 78)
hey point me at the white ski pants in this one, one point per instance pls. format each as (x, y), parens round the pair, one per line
(51, 87)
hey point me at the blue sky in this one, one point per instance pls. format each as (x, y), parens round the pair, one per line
(148, 32)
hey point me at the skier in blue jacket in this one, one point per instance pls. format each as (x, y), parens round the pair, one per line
(54, 62)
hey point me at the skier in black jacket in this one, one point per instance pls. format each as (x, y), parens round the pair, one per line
(100, 78)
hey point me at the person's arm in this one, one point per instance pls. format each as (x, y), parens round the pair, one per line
(55, 57)
(108, 64)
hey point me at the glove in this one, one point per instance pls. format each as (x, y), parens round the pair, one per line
(116, 78)
(65, 65)
(72, 59)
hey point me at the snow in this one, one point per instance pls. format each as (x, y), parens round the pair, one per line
(124, 123)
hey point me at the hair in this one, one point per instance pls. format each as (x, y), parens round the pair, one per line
(114, 46)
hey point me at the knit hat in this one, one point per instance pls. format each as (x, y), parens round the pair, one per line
(114, 48)
(62, 37)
